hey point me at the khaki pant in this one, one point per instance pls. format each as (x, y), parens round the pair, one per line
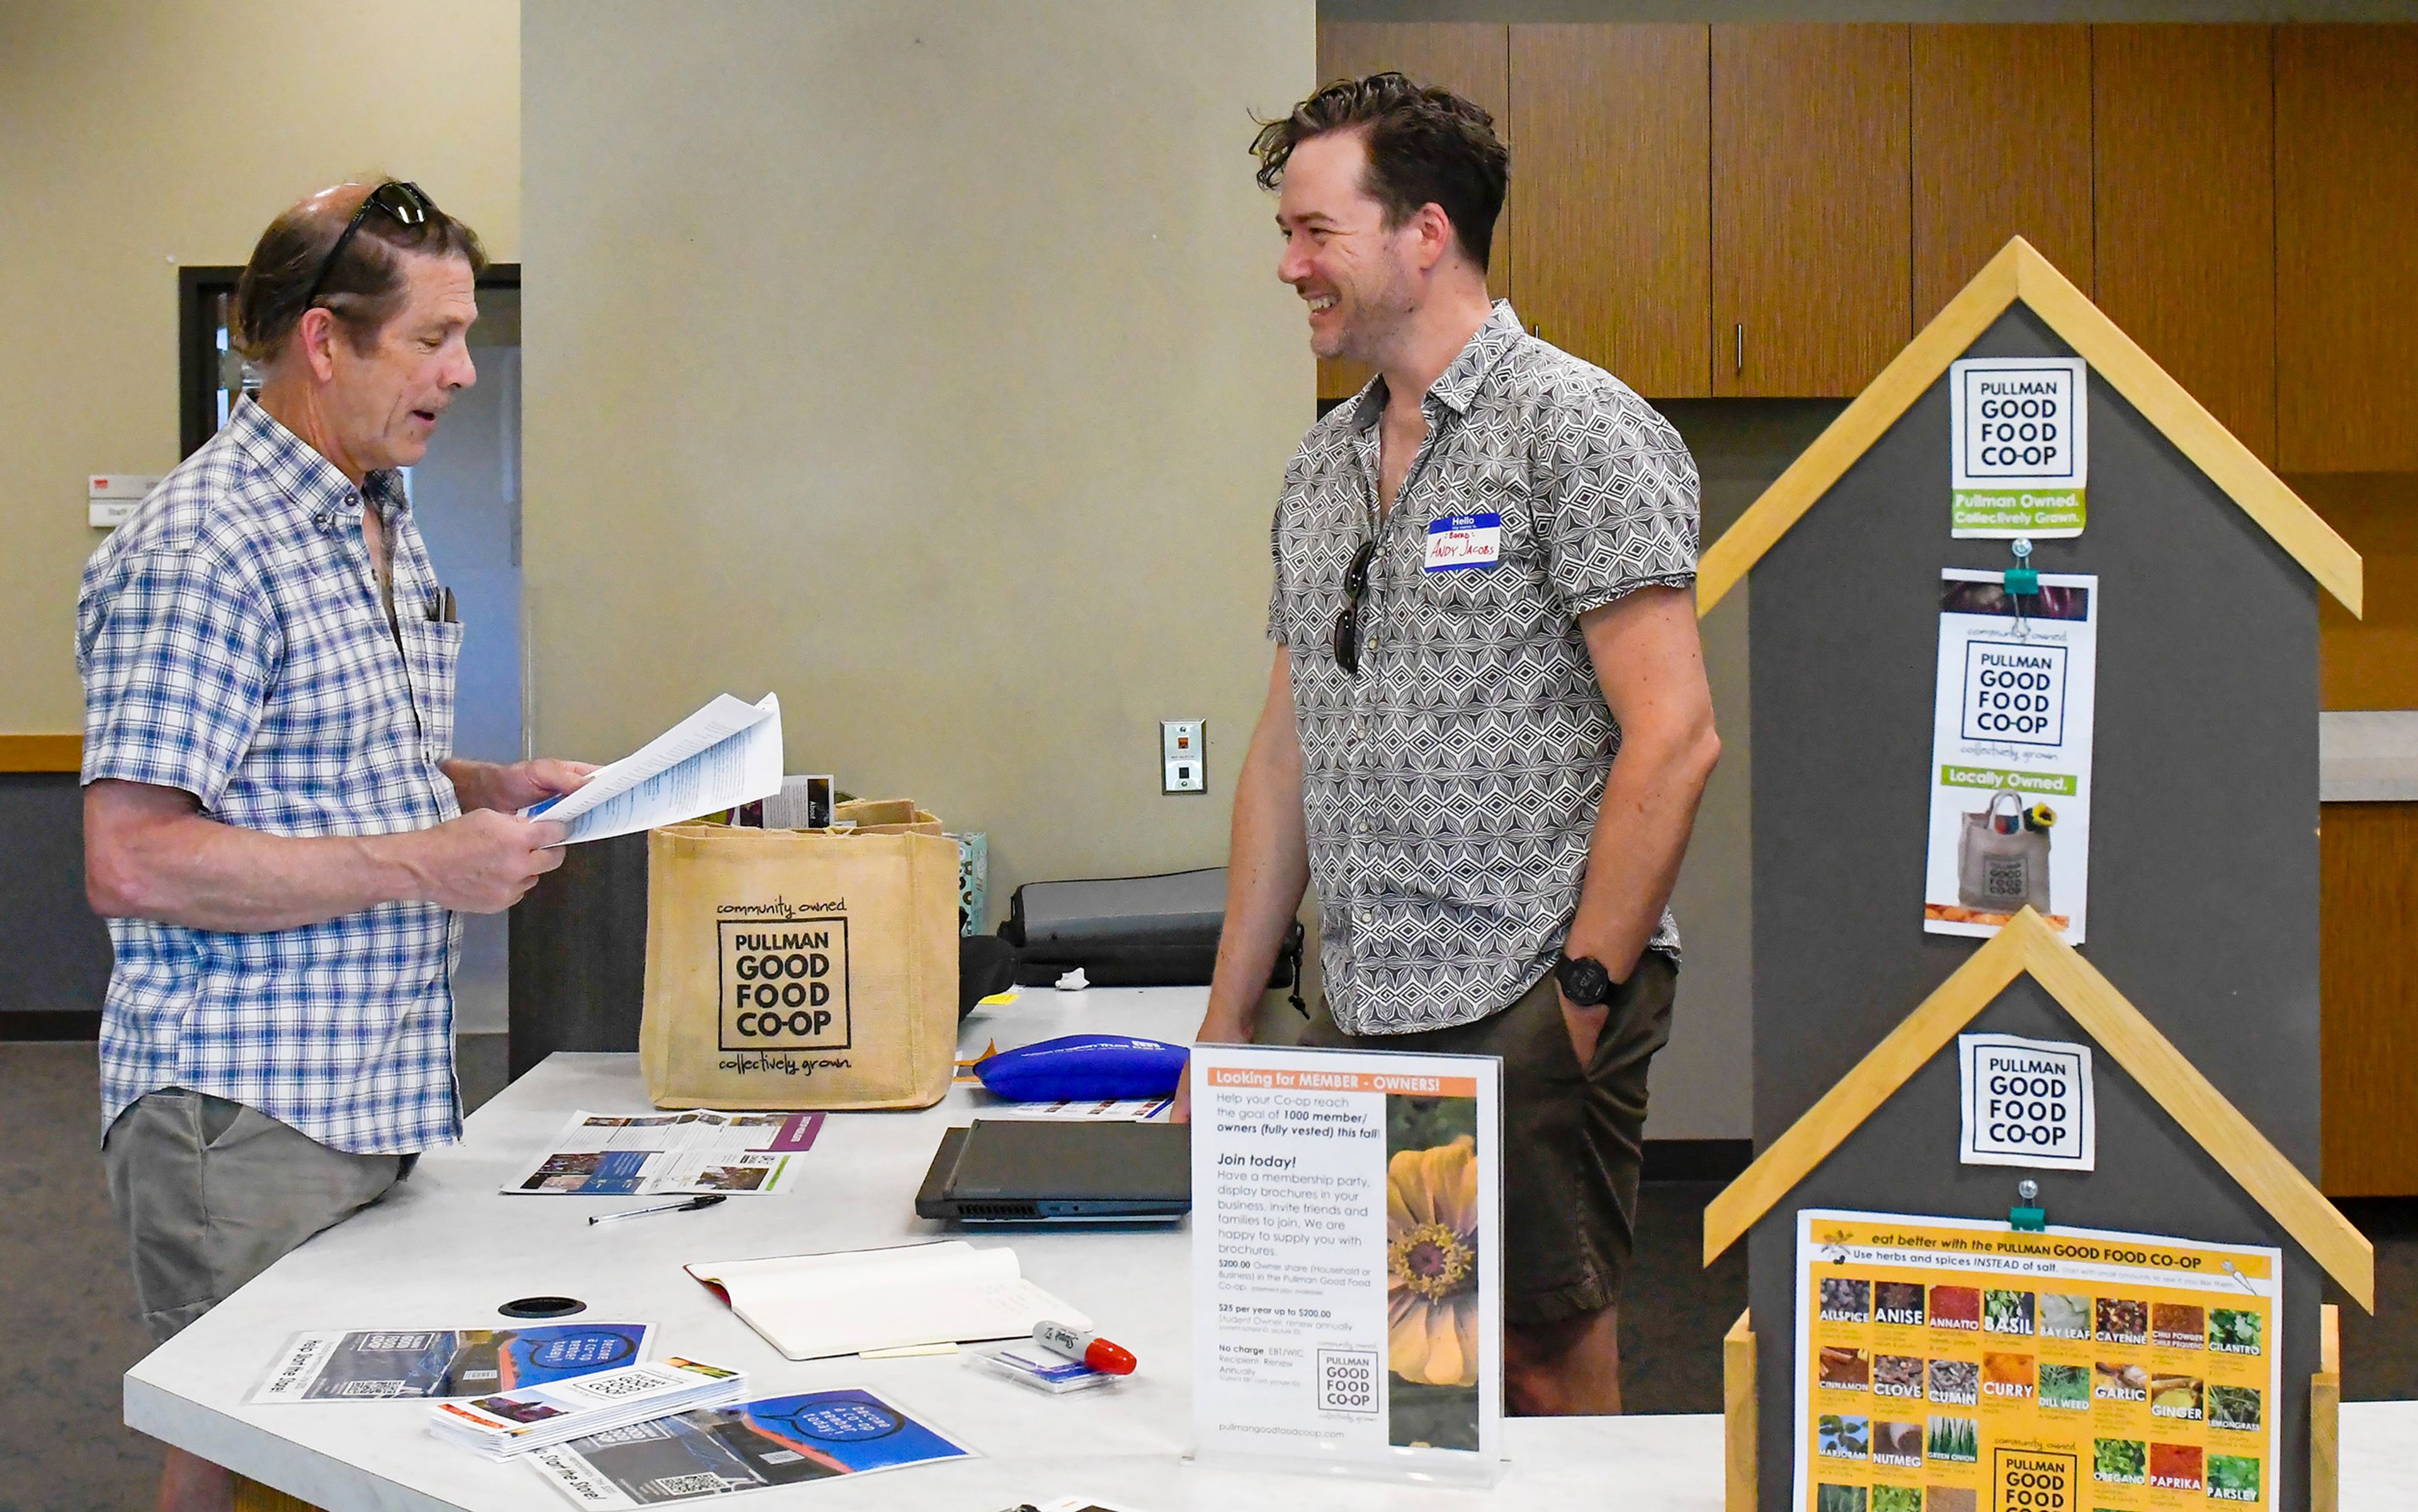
(212, 1192)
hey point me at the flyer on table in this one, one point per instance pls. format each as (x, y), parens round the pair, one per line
(697, 1152)
(1347, 1257)
(327, 1365)
(718, 1451)
(1956, 1366)
(2011, 753)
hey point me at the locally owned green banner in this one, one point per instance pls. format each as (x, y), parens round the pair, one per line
(2056, 783)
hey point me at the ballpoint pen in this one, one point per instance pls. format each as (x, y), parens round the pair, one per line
(694, 1203)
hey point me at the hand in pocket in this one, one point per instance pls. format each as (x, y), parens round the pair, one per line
(1585, 1025)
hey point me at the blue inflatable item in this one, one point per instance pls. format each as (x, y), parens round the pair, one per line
(1085, 1068)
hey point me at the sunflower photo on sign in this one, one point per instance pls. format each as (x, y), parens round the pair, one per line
(1432, 1270)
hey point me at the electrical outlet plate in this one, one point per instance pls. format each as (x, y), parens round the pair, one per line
(1182, 756)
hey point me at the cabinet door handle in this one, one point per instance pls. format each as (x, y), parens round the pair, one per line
(1740, 359)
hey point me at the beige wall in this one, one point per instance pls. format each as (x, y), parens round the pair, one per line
(923, 363)
(138, 136)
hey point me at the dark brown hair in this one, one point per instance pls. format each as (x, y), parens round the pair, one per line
(1427, 146)
(363, 290)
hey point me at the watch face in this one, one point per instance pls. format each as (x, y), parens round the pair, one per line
(1585, 982)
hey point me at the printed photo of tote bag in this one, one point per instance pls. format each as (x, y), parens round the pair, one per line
(2002, 862)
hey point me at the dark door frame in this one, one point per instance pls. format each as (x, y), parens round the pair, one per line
(197, 355)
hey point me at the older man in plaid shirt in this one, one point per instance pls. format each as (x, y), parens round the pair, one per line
(273, 824)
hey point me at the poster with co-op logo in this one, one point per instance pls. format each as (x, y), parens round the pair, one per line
(2011, 753)
(2020, 465)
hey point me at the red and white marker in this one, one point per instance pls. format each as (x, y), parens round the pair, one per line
(1107, 1358)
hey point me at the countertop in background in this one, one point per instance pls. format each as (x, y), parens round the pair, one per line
(2368, 755)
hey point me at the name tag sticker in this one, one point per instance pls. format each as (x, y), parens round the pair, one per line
(1460, 540)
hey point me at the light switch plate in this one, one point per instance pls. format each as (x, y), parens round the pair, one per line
(1184, 755)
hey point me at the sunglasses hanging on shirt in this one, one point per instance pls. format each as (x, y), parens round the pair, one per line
(1347, 624)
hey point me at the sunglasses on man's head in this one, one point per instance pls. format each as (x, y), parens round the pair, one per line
(403, 202)
(1347, 624)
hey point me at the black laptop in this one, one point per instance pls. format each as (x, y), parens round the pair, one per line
(1038, 1171)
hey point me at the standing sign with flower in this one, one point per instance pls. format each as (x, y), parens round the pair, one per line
(1346, 1257)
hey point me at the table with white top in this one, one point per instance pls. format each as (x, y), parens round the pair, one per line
(445, 1248)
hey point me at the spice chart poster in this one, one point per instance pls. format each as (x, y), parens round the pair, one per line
(1957, 1366)
(2011, 753)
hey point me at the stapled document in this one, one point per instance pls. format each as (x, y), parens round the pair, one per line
(726, 754)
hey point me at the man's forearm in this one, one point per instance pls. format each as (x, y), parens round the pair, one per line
(199, 872)
(1641, 835)
(1267, 869)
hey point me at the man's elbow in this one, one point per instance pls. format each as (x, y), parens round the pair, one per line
(113, 885)
(1688, 749)
(120, 879)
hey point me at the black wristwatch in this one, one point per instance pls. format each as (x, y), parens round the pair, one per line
(1583, 980)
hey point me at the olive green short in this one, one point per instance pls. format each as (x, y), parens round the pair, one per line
(212, 1192)
(1574, 1135)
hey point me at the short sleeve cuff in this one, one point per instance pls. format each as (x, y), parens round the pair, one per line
(1596, 598)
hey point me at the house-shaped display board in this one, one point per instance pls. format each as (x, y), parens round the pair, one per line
(2175, 1158)
(2204, 814)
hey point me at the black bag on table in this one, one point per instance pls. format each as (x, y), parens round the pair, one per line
(1131, 931)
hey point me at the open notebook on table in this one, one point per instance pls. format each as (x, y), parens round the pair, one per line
(812, 1305)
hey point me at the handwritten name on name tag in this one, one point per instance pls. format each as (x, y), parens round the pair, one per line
(1460, 540)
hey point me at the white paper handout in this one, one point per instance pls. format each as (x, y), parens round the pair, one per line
(812, 1305)
(2011, 753)
(523, 1418)
(652, 1155)
(726, 754)
(1078, 1110)
(1347, 1260)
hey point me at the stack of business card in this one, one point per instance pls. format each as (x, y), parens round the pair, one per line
(533, 1417)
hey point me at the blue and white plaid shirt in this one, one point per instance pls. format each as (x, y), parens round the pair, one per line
(233, 643)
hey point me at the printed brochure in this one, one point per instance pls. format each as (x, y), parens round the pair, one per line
(2011, 719)
(648, 1154)
(713, 1451)
(512, 1422)
(379, 1363)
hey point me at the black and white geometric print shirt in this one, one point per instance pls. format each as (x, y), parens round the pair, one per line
(1450, 789)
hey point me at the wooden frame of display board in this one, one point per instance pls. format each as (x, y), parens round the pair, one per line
(2293, 1212)
(2203, 872)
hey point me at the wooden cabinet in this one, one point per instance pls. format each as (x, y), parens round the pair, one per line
(1772, 211)
(2345, 248)
(2185, 207)
(1467, 57)
(2001, 148)
(2368, 860)
(1613, 253)
(1811, 279)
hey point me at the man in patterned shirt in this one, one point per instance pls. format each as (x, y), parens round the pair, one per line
(1487, 725)
(273, 824)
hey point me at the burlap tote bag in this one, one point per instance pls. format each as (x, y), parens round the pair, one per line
(799, 968)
